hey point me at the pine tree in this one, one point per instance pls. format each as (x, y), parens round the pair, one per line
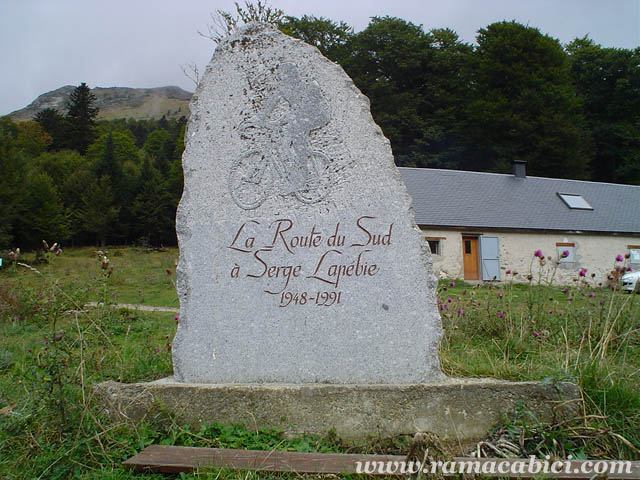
(81, 118)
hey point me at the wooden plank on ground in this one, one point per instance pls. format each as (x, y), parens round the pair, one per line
(169, 459)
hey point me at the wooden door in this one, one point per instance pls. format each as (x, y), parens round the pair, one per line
(470, 258)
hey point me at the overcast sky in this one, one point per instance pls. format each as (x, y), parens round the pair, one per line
(142, 43)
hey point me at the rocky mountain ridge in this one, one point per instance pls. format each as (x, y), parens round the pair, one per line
(117, 102)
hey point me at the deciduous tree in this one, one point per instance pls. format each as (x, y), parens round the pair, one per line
(328, 36)
(608, 83)
(524, 105)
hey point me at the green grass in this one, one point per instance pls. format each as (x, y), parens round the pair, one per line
(139, 276)
(51, 354)
(582, 334)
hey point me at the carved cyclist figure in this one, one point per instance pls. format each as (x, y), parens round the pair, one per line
(308, 111)
(288, 116)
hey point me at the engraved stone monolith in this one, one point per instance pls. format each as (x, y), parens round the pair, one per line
(300, 261)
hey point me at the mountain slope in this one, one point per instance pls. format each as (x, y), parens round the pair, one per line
(117, 102)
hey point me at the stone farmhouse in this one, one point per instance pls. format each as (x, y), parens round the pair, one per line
(486, 226)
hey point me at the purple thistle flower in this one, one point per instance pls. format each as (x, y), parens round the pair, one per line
(629, 269)
(441, 307)
(582, 272)
(452, 284)
(619, 258)
(176, 318)
(500, 315)
(536, 334)
(550, 312)
(508, 272)
(538, 253)
(449, 300)
(460, 311)
(565, 253)
(592, 295)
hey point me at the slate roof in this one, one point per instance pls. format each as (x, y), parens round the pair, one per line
(454, 198)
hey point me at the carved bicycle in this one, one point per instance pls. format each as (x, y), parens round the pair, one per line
(256, 174)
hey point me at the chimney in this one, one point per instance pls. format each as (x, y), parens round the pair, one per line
(520, 168)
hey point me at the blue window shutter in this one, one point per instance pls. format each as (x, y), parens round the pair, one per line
(490, 258)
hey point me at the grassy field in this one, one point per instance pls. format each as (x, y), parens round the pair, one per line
(137, 275)
(52, 351)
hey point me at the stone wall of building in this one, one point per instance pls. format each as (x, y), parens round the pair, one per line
(595, 253)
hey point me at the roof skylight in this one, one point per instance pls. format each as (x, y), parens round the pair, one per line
(575, 201)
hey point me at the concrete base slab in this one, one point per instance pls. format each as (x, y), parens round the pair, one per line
(458, 411)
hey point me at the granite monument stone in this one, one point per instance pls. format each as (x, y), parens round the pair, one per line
(300, 261)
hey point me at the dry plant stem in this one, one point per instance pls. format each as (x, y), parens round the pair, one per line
(81, 366)
(609, 327)
(78, 307)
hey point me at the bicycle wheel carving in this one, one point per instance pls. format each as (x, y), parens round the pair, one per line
(318, 181)
(250, 180)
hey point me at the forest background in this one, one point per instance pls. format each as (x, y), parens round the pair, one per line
(570, 111)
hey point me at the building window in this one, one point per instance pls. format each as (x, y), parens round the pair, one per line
(566, 252)
(634, 254)
(575, 201)
(435, 245)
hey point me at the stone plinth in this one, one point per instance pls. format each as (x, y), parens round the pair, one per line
(457, 410)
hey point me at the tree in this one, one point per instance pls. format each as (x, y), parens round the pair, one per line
(153, 208)
(54, 124)
(32, 139)
(12, 181)
(525, 106)
(59, 165)
(73, 190)
(98, 212)
(116, 159)
(328, 36)
(159, 146)
(175, 178)
(81, 118)
(42, 214)
(418, 85)
(111, 152)
(389, 61)
(608, 83)
(447, 93)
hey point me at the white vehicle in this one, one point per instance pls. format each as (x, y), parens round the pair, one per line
(631, 282)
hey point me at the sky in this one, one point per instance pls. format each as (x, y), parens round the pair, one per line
(143, 43)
